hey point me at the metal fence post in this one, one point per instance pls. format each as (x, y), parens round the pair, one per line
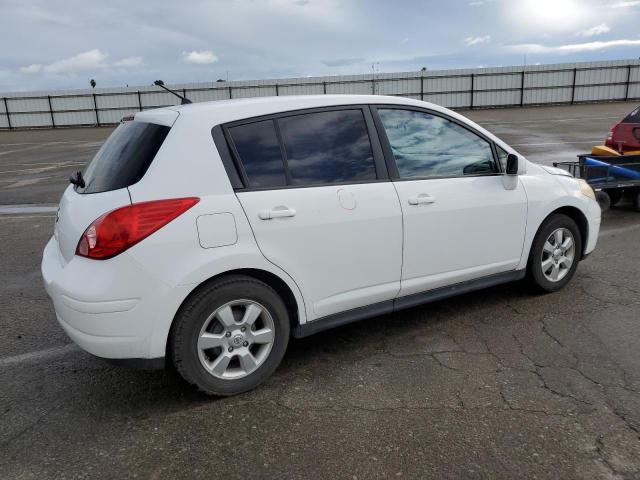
(373, 86)
(324, 87)
(573, 85)
(522, 90)
(6, 109)
(230, 93)
(277, 91)
(53, 121)
(184, 92)
(139, 101)
(421, 86)
(473, 79)
(95, 109)
(626, 88)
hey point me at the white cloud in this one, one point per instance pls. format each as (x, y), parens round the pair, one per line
(469, 41)
(572, 48)
(593, 31)
(202, 57)
(128, 62)
(90, 60)
(627, 4)
(33, 68)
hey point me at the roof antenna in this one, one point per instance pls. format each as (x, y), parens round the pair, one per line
(184, 100)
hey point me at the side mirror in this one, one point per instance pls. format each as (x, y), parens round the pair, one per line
(512, 164)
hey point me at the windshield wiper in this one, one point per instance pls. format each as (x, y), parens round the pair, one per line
(184, 100)
(77, 179)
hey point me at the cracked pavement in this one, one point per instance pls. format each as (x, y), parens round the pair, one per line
(500, 383)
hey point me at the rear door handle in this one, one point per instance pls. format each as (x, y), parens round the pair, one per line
(276, 212)
(421, 198)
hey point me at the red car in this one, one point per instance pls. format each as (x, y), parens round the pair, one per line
(625, 136)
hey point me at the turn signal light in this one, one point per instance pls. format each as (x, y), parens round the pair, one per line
(120, 229)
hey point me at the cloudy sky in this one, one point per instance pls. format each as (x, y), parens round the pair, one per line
(61, 44)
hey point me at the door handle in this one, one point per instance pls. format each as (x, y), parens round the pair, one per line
(276, 212)
(422, 198)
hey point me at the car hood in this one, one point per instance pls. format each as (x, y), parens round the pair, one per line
(555, 170)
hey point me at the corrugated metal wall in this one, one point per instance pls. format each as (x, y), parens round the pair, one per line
(461, 89)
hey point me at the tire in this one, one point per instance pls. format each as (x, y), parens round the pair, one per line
(615, 195)
(210, 323)
(604, 200)
(541, 276)
(635, 199)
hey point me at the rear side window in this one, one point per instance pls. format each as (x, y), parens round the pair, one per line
(258, 148)
(125, 157)
(327, 147)
(633, 117)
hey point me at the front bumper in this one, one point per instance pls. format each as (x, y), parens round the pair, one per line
(109, 308)
(593, 221)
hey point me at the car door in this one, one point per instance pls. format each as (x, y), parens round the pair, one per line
(461, 221)
(321, 205)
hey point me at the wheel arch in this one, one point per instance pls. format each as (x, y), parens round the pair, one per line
(274, 281)
(577, 216)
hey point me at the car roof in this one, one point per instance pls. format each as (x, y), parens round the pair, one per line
(221, 111)
(208, 114)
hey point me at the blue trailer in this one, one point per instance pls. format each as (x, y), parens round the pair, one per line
(610, 177)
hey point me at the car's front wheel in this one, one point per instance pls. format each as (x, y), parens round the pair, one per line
(555, 253)
(230, 335)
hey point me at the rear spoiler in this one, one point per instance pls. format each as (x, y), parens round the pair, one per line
(160, 116)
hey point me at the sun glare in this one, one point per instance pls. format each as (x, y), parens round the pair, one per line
(551, 14)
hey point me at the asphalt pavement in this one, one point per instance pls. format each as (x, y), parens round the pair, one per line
(500, 383)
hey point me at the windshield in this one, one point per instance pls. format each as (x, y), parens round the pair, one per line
(633, 117)
(124, 158)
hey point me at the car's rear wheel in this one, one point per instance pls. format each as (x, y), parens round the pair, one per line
(615, 195)
(635, 199)
(230, 335)
(555, 253)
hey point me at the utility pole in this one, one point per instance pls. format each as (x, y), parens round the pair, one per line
(373, 77)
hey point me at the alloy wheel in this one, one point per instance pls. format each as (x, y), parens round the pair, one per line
(236, 339)
(558, 253)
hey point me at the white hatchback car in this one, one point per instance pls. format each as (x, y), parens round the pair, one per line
(207, 234)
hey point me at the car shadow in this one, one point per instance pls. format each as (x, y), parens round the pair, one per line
(84, 383)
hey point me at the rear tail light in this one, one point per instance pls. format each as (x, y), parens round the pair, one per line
(609, 140)
(116, 231)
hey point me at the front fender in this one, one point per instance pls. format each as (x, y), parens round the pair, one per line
(546, 194)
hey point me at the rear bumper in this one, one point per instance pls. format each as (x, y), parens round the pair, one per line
(109, 308)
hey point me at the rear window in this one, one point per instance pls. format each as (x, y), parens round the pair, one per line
(124, 158)
(633, 117)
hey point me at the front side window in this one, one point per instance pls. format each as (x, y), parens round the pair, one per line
(327, 147)
(426, 145)
(502, 157)
(259, 151)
